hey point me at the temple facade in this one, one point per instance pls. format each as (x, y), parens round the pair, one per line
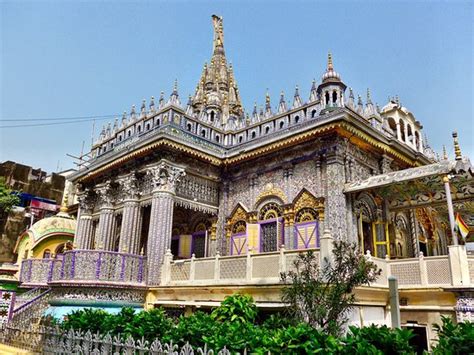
(182, 204)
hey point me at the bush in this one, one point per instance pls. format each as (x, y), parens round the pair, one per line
(454, 339)
(378, 340)
(234, 325)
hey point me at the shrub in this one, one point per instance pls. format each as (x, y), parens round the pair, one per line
(454, 339)
(378, 340)
(95, 320)
(193, 329)
(236, 308)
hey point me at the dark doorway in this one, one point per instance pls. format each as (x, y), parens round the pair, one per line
(199, 244)
(145, 227)
(420, 340)
(368, 237)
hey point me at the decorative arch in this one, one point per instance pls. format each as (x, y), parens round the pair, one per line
(270, 192)
(309, 210)
(305, 200)
(237, 230)
(366, 207)
(269, 210)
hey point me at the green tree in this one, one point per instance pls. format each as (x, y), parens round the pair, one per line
(323, 296)
(8, 198)
(454, 339)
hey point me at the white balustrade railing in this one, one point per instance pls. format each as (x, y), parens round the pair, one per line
(263, 268)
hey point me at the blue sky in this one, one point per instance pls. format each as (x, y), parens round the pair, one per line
(70, 59)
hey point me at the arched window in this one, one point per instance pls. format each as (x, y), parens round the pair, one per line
(189, 127)
(270, 210)
(393, 125)
(313, 114)
(157, 122)
(60, 249)
(217, 138)
(147, 126)
(139, 129)
(129, 133)
(120, 138)
(402, 131)
(270, 233)
(203, 133)
(282, 124)
(306, 214)
(267, 130)
(334, 97)
(213, 116)
(239, 227)
(253, 134)
(327, 98)
(297, 118)
(46, 254)
(240, 139)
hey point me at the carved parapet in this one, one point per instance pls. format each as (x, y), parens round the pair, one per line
(165, 176)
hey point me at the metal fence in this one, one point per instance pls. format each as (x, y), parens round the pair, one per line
(47, 340)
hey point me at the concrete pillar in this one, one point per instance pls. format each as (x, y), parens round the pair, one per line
(335, 198)
(132, 214)
(84, 230)
(326, 247)
(105, 237)
(165, 176)
(394, 301)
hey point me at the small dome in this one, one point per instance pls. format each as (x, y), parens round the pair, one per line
(61, 223)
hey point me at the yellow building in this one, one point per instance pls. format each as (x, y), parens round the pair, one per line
(47, 238)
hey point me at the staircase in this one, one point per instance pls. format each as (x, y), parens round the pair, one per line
(30, 308)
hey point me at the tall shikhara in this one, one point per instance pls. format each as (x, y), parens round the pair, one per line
(217, 96)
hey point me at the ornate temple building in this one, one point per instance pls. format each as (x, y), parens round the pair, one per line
(182, 204)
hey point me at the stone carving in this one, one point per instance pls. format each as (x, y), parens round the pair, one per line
(165, 176)
(105, 193)
(130, 187)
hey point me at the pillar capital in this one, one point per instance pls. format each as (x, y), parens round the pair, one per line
(86, 201)
(165, 176)
(129, 185)
(104, 191)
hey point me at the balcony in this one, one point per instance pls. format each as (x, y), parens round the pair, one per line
(85, 268)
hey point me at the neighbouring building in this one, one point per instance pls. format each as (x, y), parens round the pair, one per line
(182, 205)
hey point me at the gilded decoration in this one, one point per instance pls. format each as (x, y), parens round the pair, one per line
(270, 191)
(238, 215)
(306, 200)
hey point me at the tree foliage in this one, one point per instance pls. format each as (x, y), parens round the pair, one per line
(454, 339)
(8, 198)
(323, 296)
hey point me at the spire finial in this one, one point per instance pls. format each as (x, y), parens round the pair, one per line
(330, 64)
(457, 148)
(64, 204)
(217, 22)
(267, 98)
(445, 154)
(369, 100)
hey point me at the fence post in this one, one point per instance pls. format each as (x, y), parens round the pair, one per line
(217, 266)
(166, 270)
(282, 260)
(248, 273)
(459, 265)
(192, 267)
(327, 245)
(423, 271)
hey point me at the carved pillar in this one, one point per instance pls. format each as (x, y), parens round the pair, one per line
(164, 178)
(84, 231)
(131, 218)
(385, 164)
(105, 233)
(399, 134)
(289, 219)
(288, 177)
(335, 198)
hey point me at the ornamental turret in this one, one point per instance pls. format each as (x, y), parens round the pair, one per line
(217, 96)
(331, 89)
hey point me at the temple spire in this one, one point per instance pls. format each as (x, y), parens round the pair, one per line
(330, 64)
(218, 42)
(457, 148)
